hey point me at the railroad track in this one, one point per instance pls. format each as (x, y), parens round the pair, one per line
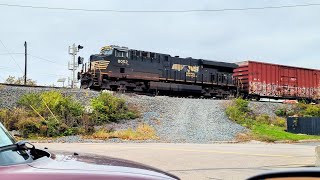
(22, 85)
(132, 93)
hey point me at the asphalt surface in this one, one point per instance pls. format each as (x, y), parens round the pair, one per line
(202, 161)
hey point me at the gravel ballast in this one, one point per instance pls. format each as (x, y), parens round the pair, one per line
(183, 120)
(9, 95)
(268, 108)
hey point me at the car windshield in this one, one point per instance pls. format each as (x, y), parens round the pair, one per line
(10, 157)
(5, 137)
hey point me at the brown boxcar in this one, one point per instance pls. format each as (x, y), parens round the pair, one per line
(258, 79)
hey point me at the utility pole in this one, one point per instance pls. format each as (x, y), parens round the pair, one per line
(73, 65)
(25, 62)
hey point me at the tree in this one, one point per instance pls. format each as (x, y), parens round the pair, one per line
(20, 80)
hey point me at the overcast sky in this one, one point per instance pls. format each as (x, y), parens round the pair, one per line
(289, 36)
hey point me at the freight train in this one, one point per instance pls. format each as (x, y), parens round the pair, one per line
(259, 79)
(122, 69)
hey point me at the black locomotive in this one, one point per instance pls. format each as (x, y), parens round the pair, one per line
(122, 69)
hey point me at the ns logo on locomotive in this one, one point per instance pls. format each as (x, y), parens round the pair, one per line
(122, 69)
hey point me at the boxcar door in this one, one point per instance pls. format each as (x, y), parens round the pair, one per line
(288, 81)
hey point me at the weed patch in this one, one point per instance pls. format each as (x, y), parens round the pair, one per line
(52, 114)
(142, 132)
(263, 127)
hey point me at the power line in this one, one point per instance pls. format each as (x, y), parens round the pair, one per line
(5, 67)
(44, 59)
(40, 58)
(10, 55)
(8, 69)
(160, 11)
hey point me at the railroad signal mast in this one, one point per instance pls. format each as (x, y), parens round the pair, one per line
(73, 65)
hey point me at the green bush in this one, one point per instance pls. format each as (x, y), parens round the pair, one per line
(53, 126)
(59, 113)
(281, 112)
(311, 111)
(284, 112)
(300, 109)
(30, 101)
(70, 111)
(242, 105)
(29, 126)
(108, 108)
(10, 118)
(279, 121)
(70, 131)
(63, 107)
(239, 112)
(263, 118)
(235, 114)
(53, 114)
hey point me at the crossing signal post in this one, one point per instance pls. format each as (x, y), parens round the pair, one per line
(73, 65)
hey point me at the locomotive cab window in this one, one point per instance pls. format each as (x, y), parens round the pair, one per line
(133, 54)
(121, 53)
(138, 53)
(153, 55)
(108, 52)
(145, 54)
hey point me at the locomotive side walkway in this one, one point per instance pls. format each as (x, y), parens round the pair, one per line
(202, 161)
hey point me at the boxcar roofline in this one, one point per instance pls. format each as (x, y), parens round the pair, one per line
(241, 63)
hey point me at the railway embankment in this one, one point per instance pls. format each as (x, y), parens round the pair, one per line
(175, 120)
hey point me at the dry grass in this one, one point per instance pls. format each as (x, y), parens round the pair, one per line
(142, 132)
(146, 131)
(244, 137)
(101, 134)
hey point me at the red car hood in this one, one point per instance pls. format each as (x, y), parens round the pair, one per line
(82, 167)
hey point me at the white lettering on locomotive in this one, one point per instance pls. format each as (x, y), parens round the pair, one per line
(123, 61)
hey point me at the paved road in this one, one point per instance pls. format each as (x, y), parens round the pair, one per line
(203, 161)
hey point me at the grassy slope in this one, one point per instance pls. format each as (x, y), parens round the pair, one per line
(266, 132)
(264, 128)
